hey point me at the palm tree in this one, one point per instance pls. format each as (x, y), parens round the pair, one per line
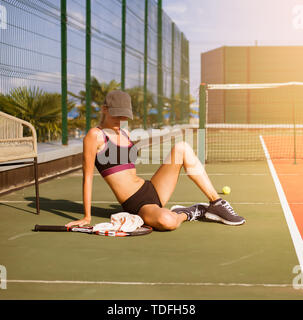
(41, 109)
(99, 90)
(137, 98)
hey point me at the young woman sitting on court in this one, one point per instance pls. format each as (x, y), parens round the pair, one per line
(109, 148)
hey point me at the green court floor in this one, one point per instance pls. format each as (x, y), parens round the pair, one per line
(200, 260)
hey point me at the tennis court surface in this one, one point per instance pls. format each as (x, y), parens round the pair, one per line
(200, 260)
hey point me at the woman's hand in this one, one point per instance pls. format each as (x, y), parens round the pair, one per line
(80, 223)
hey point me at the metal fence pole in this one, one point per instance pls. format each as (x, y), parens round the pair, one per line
(187, 80)
(145, 64)
(88, 65)
(160, 71)
(172, 103)
(123, 41)
(182, 80)
(64, 72)
(202, 123)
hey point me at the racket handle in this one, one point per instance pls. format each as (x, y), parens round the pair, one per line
(50, 228)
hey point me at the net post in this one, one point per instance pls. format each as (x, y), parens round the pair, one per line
(202, 121)
(88, 65)
(292, 90)
(64, 72)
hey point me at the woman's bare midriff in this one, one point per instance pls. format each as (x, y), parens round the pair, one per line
(124, 183)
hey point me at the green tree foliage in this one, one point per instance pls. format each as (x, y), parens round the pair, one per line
(99, 90)
(41, 109)
(137, 98)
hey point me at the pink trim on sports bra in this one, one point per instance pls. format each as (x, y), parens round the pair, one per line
(119, 167)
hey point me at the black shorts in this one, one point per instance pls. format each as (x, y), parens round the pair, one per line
(147, 194)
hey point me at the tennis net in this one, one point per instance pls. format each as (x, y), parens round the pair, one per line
(240, 120)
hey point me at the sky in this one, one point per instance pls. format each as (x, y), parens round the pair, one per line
(210, 24)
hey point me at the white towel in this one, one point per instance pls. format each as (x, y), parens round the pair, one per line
(122, 221)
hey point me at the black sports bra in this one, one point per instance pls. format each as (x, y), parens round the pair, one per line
(114, 158)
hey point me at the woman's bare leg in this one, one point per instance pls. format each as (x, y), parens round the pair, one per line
(166, 177)
(165, 180)
(161, 219)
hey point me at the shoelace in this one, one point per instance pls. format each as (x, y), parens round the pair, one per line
(195, 214)
(226, 205)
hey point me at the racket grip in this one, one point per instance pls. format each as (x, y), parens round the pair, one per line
(50, 228)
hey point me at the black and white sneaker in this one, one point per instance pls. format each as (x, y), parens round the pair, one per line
(194, 212)
(220, 210)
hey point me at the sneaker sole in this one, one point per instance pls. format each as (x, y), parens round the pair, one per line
(214, 217)
(179, 206)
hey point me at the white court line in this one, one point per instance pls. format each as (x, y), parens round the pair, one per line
(212, 174)
(209, 174)
(116, 202)
(294, 232)
(185, 174)
(201, 284)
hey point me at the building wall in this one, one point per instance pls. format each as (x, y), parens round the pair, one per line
(212, 71)
(253, 65)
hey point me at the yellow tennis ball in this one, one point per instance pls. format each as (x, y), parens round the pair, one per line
(226, 190)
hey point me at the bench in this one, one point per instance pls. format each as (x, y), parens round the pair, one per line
(18, 141)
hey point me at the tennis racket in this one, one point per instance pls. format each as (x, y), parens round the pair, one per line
(138, 232)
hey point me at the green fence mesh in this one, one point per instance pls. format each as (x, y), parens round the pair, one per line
(32, 49)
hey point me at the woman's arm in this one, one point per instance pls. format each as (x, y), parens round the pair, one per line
(90, 145)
